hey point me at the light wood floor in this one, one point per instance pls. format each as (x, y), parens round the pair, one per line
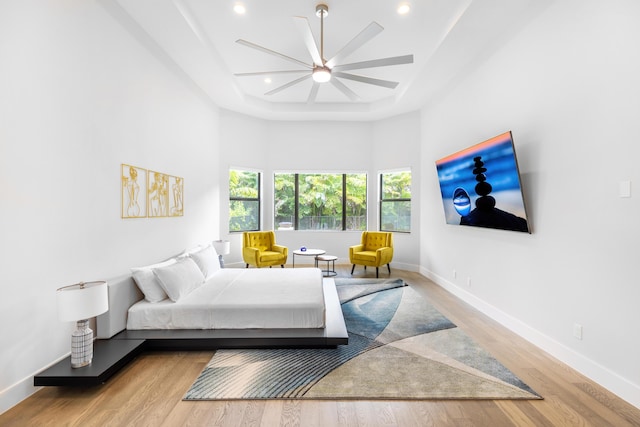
(149, 390)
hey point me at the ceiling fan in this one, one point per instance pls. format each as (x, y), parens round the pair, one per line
(321, 70)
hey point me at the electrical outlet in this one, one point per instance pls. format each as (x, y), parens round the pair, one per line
(577, 331)
(455, 273)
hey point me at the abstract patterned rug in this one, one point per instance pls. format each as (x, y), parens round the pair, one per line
(400, 347)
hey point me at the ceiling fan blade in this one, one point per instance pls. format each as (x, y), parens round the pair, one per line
(302, 24)
(384, 83)
(365, 35)
(383, 62)
(273, 52)
(313, 93)
(267, 73)
(291, 83)
(348, 92)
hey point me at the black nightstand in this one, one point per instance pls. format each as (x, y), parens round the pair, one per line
(109, 356)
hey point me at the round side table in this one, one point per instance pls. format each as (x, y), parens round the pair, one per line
(329, 259)
(309, 252)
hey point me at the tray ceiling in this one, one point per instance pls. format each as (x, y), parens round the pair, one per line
(197, 39)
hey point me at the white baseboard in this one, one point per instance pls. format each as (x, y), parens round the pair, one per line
(15, 394)
(613, 382)
(24, 388)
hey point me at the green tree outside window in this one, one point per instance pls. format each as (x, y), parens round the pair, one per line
(320, 201)
(395, 201)
(244, 200)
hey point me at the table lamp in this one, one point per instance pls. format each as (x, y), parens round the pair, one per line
(223, 247)
(80, 302)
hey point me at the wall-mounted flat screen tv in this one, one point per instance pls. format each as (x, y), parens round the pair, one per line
(480, 186)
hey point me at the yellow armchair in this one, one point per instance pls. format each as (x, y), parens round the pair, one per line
(374, 250)
(259, 248)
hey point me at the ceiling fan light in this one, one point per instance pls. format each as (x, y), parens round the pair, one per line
(321, 74)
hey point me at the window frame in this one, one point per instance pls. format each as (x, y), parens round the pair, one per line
(257, 199)
(383, 200)
(296, 196)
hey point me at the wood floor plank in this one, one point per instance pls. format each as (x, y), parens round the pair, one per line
(610, 401)
(149, 391)
(272, 413)
(521, 414)
(320, 414)
(291, 413)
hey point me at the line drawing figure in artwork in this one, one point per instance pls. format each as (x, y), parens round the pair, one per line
(176, 210)
(132, 190)
(158, 194)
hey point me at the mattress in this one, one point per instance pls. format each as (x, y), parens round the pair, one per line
(241, 299)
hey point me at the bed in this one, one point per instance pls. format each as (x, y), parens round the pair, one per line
(223, 308)
(240, 299)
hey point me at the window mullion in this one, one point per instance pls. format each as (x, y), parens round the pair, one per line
(296, 209)
(344, 201)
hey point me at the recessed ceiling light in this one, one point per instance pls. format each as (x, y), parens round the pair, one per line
(404, 8)
(239, 8)
(267, 80)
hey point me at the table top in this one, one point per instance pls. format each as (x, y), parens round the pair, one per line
(309, 252)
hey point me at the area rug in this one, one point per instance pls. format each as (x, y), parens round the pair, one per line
(400, 347)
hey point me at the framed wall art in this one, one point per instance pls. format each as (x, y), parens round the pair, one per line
(134, 191)
(157, 194)
(176, 198)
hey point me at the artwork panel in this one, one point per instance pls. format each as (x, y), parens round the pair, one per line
(134, 191)
(176, 199)
(157, 194)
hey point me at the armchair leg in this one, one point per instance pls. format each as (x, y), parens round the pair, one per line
(282, 265)
(247, 266)
(353, 268)
(376, 272)
(389, 268)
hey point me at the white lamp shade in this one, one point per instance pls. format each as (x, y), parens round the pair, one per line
(223, 247)
(82, 301)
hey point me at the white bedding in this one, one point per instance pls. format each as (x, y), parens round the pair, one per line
(241, 299)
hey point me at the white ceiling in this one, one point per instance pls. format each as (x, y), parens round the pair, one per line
(197, 39)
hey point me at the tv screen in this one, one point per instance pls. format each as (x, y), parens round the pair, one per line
(480, 186)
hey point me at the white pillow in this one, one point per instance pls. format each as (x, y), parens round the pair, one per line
(188, 252)
(207, 259)
(180, 278)
(148, 283)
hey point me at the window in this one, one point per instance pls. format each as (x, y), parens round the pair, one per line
(244, 200)
(320, 201)
(395, 201)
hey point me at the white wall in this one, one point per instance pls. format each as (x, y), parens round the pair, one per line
(244, 144)
(278, 146)
(80, 96)
(568, 88)
(396, 146)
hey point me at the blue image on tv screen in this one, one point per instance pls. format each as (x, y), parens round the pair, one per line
(480, 186)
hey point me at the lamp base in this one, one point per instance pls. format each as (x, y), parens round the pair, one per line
(81, 345)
